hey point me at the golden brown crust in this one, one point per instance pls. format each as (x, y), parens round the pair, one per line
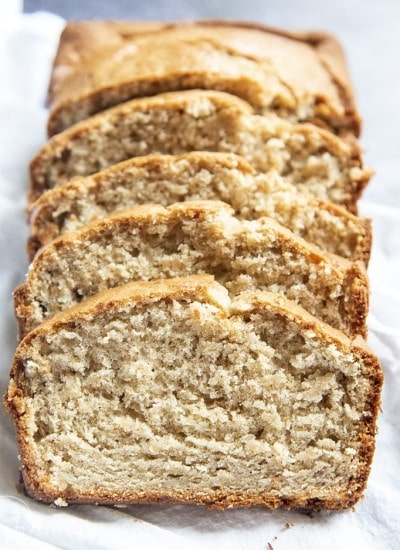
(357, 308)
(21, 301)
(367, 241)
(355, 281)
(199, 288)
(83, 82)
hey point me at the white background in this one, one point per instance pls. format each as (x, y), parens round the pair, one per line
(370, 32)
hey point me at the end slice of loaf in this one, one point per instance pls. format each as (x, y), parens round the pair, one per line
(175, 123)
(102, 63)
(165, 179)
(165, 391)
(152, 242)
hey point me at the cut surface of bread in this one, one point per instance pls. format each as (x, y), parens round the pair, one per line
(311, 158)
(298, 76)
(152, 242)
(165, 179)
(167, 391)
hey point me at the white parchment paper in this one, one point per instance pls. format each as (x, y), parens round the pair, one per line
(27, 46)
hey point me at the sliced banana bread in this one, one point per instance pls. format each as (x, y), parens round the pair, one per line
(165, 391)
(153, 242)
(102, 63)
(165, 179)
(311, 158)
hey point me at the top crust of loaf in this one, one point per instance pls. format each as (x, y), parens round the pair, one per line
(310, 65)
(200, 289)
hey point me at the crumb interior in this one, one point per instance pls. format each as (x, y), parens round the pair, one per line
(176, 397)
(242, 255)
(185, 179)
(304, 155)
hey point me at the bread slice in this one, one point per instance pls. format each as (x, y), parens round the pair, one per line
(153, 242)
(165, 391)
(301, 76)
(181, 122)
(200, 175)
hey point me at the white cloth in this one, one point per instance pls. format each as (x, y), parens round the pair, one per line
(27, 45)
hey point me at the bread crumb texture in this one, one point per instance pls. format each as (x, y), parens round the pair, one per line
(151, 242)
(168, 179)
(309, 157)
(193, 400)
